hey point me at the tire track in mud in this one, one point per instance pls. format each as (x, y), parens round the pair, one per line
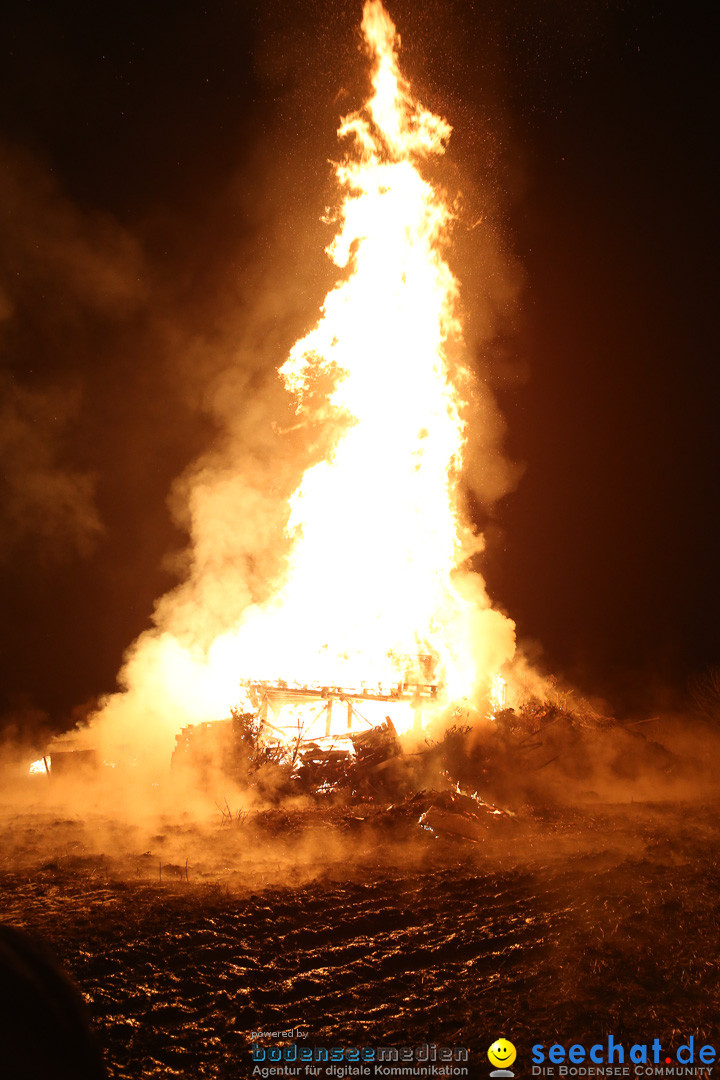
(179, 981)
(553, 946)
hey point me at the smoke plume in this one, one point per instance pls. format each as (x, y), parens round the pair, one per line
(211, 340)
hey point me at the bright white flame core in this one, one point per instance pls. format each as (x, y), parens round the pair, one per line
(375, 573)
(498, 692)
(377, 539)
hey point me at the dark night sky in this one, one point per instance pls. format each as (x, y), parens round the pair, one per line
(164, 164)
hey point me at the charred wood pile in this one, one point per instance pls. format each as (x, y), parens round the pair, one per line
(536, 755)
(377, 745)
(449, 815)
(354, 760)
(233, 749)
(322, 769)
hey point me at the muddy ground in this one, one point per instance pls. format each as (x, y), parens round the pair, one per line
(185, 936)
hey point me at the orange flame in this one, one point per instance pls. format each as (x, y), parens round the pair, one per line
(375, 579)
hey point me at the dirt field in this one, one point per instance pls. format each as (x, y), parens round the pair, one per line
(367, 930)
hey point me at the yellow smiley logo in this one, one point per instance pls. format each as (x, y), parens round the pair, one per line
(501, 1054)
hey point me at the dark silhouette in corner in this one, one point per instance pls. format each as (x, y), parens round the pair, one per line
(44, 1029)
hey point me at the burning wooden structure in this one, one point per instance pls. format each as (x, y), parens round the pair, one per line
(339, 708)
(336, 744)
